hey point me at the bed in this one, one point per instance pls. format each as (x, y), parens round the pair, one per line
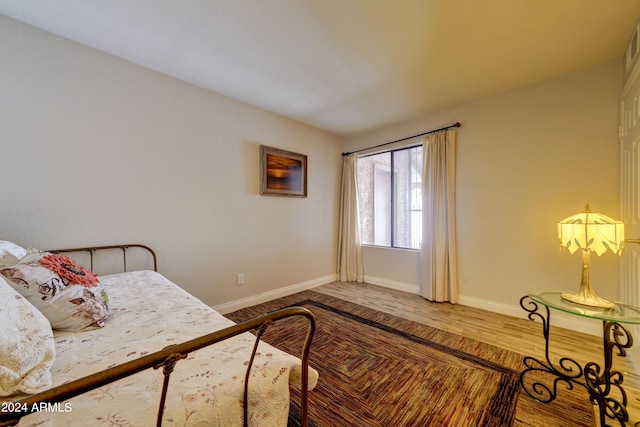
(139, 366)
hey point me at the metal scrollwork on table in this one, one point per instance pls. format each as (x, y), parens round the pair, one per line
(602, 383)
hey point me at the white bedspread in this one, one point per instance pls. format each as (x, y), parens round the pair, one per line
(148, 313)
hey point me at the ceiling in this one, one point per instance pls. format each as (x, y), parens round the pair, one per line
(346, 66)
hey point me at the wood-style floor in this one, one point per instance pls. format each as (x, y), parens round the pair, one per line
(519, 335)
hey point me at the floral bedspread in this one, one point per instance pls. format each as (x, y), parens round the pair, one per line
(148, 313)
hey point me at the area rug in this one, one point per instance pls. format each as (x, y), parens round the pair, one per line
(377, 369)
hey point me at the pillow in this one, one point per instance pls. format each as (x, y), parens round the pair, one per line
(27, 348)
(10, 253)
(7, 260)
(69, 295)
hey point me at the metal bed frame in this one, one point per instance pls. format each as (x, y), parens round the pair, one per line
(93, 249)
(167, 358)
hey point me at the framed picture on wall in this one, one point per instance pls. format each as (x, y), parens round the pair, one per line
(282, 173)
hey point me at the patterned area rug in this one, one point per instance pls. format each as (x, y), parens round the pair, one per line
(377, 369)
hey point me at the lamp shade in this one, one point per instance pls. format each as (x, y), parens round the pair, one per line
(593, 231)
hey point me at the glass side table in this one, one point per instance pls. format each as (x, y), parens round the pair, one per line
(603, 383)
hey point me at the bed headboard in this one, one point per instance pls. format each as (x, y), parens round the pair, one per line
(93, 249)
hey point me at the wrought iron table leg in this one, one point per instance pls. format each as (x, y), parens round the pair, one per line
(600, 384)
(598, 381)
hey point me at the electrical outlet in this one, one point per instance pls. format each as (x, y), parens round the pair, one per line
(240, 279)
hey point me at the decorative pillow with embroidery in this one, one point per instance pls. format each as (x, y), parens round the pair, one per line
(10, 253)
(27, 347)
(69, 295)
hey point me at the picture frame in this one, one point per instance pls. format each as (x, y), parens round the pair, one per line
(282, 172)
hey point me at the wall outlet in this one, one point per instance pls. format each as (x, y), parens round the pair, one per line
(240, 279)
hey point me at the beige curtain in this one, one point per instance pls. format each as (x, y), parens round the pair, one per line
(350, 266)
(439, 263)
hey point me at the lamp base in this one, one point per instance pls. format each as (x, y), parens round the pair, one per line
(586, 298)
(585, 294)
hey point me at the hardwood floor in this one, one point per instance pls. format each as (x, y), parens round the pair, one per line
(519, 335)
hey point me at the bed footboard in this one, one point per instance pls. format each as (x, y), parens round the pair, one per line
(167, 359)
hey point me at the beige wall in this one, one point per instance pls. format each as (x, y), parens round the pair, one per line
(96, 150)
(526, 159)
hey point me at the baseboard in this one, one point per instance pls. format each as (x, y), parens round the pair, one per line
(560, 319)
(274, 294)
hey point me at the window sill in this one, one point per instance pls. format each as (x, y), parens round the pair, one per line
(391, 248)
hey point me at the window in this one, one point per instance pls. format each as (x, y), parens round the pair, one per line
(390, 198)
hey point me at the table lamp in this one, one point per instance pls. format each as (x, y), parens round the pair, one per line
(591, 232)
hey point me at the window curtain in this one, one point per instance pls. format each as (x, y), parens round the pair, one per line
(350, 266)
(439, 262)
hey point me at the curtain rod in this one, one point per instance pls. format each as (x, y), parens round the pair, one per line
(455, 125)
